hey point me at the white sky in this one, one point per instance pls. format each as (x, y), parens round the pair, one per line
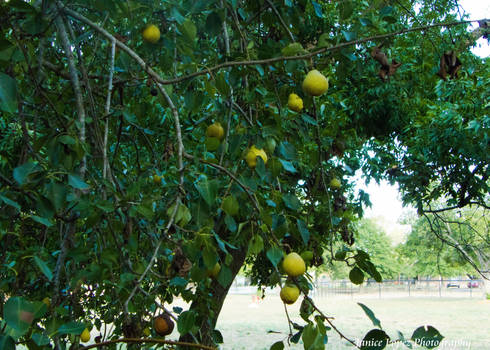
(387, 206)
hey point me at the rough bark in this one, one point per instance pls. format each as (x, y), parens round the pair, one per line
(219, 293)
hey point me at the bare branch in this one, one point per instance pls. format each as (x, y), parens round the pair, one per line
(74, 80)
(108, 109)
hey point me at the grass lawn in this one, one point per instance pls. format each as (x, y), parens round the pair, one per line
(465, 323)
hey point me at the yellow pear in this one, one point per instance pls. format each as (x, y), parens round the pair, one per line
(214, 272)
(335, 183)
(289, 293)
(295, 103)
(315, 83)
(252, 154)
(215, 130)
(151, 34)
(85, 336)
(294, 265)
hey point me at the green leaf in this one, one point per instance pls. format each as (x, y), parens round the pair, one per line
(208, 190)
(230, 223)
(19, 313)
(40, 339)
(287, 165)
(23, 171)
(356, 275)
(427, 336)
(386, 11)
(318, 9)
(8, 94)
(7, 342)
(371, 316)
(209, 256)
(293, 49)
(56, 193)
(375, 339)
(346, 9)
(44, 268)
(291, 201)
(303, 230)
(277, 346)
(312, 338)
(225, 276)
(256, 244)
(349, 36)
(186, 322)
(309, 120)
(188, 30)
(275, 255)
(75, 328)
(41, 220)
(305, 310)
(222, 84)
(76, 181)
(10, 202)
(287, 150)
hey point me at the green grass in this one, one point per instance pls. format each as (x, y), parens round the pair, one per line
(459, 320)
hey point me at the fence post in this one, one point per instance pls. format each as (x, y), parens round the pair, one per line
(379, 290)
(440, 296)
(409, 283)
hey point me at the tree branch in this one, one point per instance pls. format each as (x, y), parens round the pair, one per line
(108, 109)
(147, 340)
(74, 80)
(251, 62)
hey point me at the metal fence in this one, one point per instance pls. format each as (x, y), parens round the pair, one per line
(398, 288)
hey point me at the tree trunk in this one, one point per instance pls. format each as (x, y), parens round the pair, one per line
(486, 284)
(219, 293)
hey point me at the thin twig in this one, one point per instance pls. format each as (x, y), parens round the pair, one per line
(180, 144)
(326, 318)
(147, 340)
(154, 256)
(108, 109)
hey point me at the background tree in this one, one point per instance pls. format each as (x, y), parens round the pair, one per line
(115, 198)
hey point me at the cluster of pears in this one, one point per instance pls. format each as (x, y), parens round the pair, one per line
(215, 134)
(294, 266)
(314, 84)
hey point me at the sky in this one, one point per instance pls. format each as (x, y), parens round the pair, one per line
(387, 206)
